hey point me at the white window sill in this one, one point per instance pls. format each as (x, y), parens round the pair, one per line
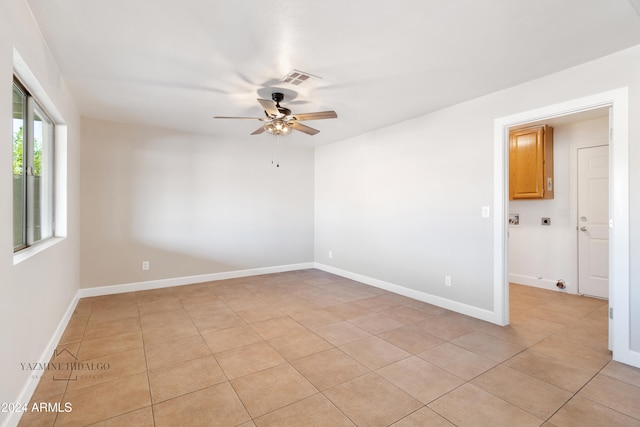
(27, 253)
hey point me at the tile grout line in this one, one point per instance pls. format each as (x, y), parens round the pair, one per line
(564, 327)
(511, 357)
(146, 365)
(66, 386)
(591, 400)
(228, 380)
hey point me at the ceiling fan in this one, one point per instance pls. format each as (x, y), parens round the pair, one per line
(280, 121)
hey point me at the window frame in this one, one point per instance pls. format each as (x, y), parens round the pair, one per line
(32, 109)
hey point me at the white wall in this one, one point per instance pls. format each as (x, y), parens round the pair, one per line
(541, 255)
(189, 204)
(403, 204)
(390, 207)
(34, 294)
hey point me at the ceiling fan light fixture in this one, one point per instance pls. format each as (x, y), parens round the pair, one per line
(280, 121)
(278, 127)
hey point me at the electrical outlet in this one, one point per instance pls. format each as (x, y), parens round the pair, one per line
(145, 265)
(330, 254)
(447, 280)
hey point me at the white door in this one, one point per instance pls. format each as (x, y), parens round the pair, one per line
(593, 221)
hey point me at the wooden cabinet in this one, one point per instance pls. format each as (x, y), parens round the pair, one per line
(531, 163)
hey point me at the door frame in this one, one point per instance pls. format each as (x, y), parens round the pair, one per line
(619, 293)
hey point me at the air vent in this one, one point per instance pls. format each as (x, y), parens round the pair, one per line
(298, 78)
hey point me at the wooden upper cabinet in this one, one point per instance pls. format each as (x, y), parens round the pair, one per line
(531, 163)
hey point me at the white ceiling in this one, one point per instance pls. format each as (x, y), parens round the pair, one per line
(175, 64)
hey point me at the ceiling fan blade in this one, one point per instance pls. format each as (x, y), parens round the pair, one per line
(316, 116)
(269, 106)
(304, 129)
(258, 131)
(243, 118)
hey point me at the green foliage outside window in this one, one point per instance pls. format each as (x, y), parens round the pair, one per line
(18, 154)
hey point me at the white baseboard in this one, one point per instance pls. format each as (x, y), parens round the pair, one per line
(468, 310)
(629, 357)
(188, 280)
(32, 382)
(479, 313)
(548, 284)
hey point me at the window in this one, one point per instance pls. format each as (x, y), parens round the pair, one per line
(33, 164)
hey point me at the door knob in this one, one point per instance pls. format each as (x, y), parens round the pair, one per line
(583, 228)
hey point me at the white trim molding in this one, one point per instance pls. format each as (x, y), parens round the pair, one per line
(412, 293)
(188, 280)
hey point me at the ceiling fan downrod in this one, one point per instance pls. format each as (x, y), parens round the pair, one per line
(277, 97)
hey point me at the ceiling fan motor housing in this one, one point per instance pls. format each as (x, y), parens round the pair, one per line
(277, 97)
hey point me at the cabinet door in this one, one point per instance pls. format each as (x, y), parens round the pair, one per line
(526, 164)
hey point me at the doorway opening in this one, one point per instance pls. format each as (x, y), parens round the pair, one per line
(546, 247)
(559, 244)
(618, 253)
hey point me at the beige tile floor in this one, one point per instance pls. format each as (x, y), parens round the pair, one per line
(308, 348)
